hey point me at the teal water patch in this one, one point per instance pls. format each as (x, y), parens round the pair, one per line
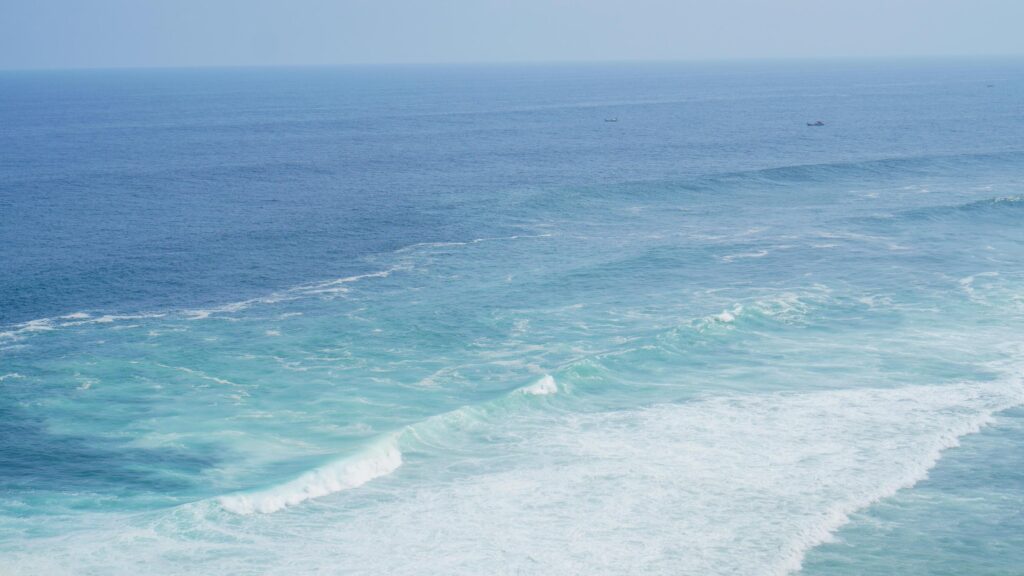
(966, 518)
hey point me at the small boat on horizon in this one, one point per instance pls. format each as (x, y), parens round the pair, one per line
(816, 123)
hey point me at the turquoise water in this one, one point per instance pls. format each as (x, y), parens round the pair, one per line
(450, 320)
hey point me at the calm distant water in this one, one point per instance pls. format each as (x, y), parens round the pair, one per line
(457, 320)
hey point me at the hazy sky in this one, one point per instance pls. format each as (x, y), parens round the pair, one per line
(91, 33)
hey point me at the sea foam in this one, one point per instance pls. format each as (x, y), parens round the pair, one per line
(742, 484)
(542, 387)
(727, 485)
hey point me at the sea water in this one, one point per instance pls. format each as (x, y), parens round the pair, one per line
(456, 320)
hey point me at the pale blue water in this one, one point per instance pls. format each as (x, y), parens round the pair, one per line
(437, 320)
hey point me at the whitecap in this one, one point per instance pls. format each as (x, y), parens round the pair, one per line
(542, 387)
(18, 330)
(733, 257)
(344, 474)
(413, 247)
(728, 316)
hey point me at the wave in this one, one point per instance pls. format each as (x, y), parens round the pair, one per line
(1008, 201)
(542, 387)
(729, 485)
(743, 484)
(335, 286)
(18, 331)
(883, 167)
(79, 318)
(327, 287)
(723, 317)
(742, 255)
(380, 459)
(762, 180)
(420, 245)
(69, 320)
(321, 289)
(785, 308)
(998, 206)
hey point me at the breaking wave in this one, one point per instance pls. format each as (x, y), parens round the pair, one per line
(380, 459)
(352, 472)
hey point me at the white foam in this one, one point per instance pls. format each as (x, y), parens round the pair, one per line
(788, 306)
(334, 477)
(80, 318)
(329, 287)
(108, 318)
(203, 313)
(202, 375)
(542, 387)
(728, 485)
(726, 316)
(18, 330)
(412, 247)
(967, 284)
(741, 484)
(515, 237)
(338, 284)
(866, 238)
(741, 255)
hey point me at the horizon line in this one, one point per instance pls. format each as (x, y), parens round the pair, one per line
(596, 61)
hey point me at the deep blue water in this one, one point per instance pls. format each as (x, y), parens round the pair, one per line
(453, 320)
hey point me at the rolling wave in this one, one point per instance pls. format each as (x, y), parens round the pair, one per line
(989, 207)
(379, 459)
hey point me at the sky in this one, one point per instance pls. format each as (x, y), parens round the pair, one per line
(157, 33)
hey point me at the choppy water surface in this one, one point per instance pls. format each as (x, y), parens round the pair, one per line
(452, 321)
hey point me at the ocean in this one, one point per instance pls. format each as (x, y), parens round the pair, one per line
(520, 319)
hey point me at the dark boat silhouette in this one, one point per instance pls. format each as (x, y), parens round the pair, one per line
(816, 123)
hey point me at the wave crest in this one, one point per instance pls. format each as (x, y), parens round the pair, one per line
(344, 474)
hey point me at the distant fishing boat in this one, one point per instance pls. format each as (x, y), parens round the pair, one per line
(816, 123)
